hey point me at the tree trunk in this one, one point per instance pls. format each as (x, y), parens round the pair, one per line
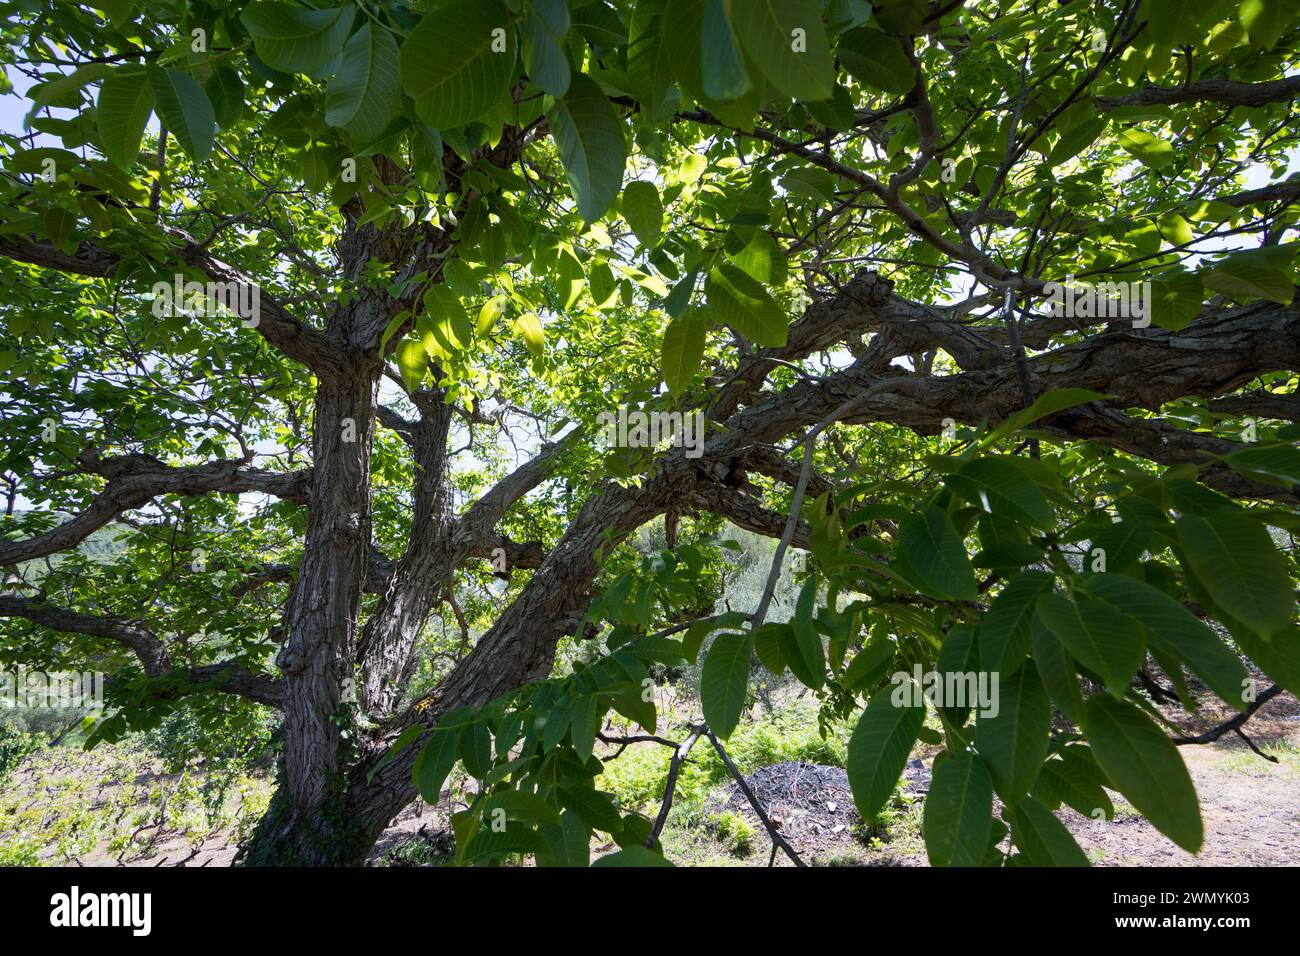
(306, 823)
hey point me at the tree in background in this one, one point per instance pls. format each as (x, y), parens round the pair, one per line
(986, 306)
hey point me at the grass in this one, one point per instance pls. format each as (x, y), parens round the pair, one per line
(1286, 752)
(64, 804)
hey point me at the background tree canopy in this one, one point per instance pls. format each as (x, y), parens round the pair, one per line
(450, 236)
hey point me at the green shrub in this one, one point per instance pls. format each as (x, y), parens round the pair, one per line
(734, 832)
(15, 746)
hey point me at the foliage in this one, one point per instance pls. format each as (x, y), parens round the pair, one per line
(835, 228)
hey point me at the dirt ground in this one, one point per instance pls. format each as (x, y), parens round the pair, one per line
(1250, 805)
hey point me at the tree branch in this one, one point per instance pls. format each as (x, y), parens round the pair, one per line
(229, 677)
(1227, 92)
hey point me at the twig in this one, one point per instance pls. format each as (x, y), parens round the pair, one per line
(1235, 725)
(674, 766)
(155, 192)
(801, 486)
(777, 839)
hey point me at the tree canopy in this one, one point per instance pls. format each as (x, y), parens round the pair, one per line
(320, 315)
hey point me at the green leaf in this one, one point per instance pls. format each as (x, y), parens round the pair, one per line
(1275, 464)
(1263, 273)
(1049, 403)
(649, 63)
(1119, 544)
(529, 327)
(879, 748)
(184, 109)
(434, 763)
(1056, 670)
(457, 61)
(296, 39)
(570, 842)
(1109, 643)
(599, 23)
(412, 362)
(643, 211)
(697, 632)
(65, 90)
(958, 811)
(1233, 556)
(1073, 778)
(767, 645)
(1075, 139)
(1004, 634)
(584, 724)
(785, 39)
(492, 844)
(958, 657)
(1042, 838)
(936, 557)
(593, 807)
(1144, 765)
(683, 348)
(745, 305)
(1173, 22)
(361, 95)
(722, 66)
(544, 56)
(1176, 230)
(807, 641)
(475, 749)
(555, 722)
(838, 112)
(724, 681)
(1176, 299)
(589, 136)
(793, 657)
(632, 856)
(519, 805)
(877, 60)
(446, 317)
(226, 93)
(682, 39)
(758, 254)
(1266, 20)
(404, 740)
(491, 310)
(998, 486)
(1172, 629)
(125, 102)
(1014, 740)
(1278, 658)
(1149, 150)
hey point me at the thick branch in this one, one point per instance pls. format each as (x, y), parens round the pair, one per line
(228, 676)
(134, 480)
(274, 322)
(1227, 92)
